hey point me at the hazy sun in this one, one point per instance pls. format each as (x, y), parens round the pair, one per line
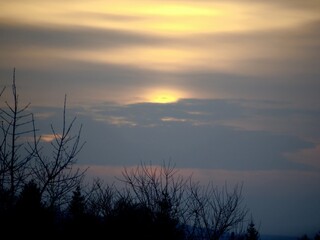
(163, 96)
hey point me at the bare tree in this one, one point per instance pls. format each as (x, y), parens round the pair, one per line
(56, 175)
(159, 188)
(15, 127)
(164, 192)
(215, 211)
(22, 159)
(205, 212)
(101, 199)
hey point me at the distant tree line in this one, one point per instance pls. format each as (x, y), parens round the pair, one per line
(42, 193)
(306, 237)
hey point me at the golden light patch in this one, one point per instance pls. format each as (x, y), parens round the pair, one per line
(49, 137)
(173, 119)
(157, 17)
(163, 96)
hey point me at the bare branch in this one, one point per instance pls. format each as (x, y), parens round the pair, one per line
(57, 176)
(216, 210)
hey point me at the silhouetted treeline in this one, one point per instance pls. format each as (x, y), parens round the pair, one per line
(306, 237)
(98, 211)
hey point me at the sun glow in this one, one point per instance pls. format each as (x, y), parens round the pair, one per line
(163, 96)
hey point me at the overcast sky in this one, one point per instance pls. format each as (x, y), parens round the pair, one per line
(227, 90)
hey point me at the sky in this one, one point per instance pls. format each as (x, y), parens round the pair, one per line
(227, 90)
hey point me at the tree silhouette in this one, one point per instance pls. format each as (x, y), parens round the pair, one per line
(30, 215)
(162, 191)
(214, 211)
(56, 175)
(28, 177)
(304, 237)
(101, 199)
(177, 203)
(30, 198)
(77, 205)
(130, 220)
(80, 222)
(252, 233)
(15, 162)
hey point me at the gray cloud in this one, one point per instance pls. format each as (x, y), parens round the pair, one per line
(125, 135)
(72, 37)
(200, 147)
(283, 52)
(191, 111)
(106, 16)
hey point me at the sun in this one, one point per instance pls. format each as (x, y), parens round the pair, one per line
(163, 96)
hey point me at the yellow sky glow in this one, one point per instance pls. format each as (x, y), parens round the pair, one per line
(167, 36)
(157, 17)
(163, 95)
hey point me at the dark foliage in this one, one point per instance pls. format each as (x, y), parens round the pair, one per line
(252, 232)
(306, 237)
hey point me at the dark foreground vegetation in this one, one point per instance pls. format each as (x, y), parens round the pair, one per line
(47, 196)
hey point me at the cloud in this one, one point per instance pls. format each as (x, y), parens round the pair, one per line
(106, 16)
(49, 137)
(145, 114)
(147, 132)
(246, 115)
(231, 134)
(272, 51)
(308, 156)
(72, 37)
(119, 64)
(269, 52)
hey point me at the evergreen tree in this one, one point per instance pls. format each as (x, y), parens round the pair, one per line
(81, 223)
(304, 237)
(77, 204)
(30, 214)
(252, 232)
(30, 198)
